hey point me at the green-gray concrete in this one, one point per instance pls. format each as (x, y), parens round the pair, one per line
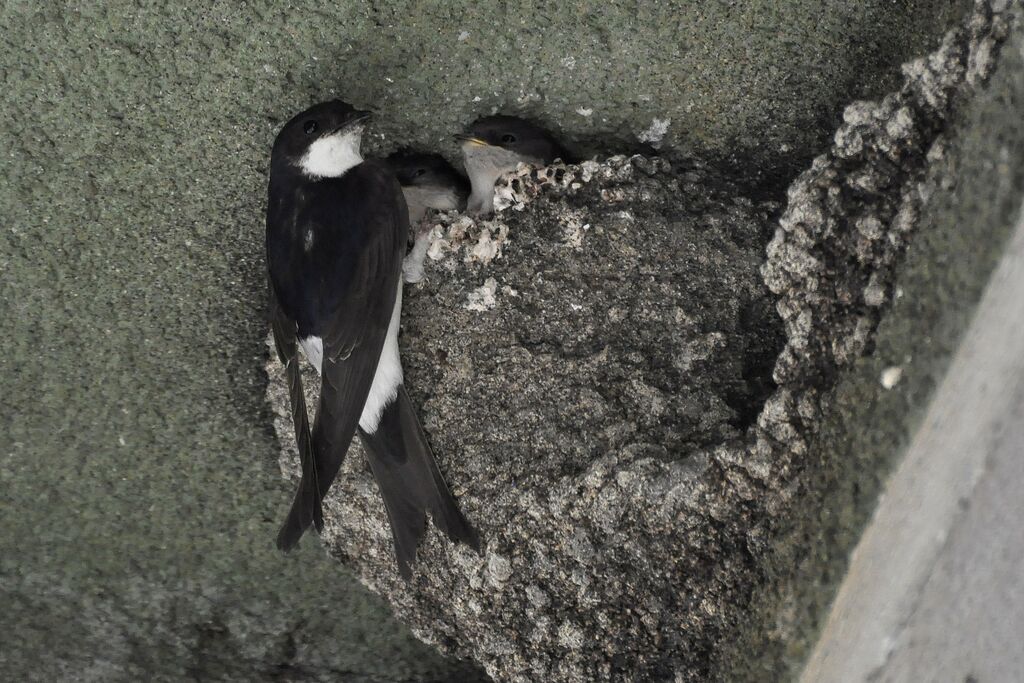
(139, 485)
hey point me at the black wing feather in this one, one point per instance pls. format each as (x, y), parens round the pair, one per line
(411, 484)
(285, 341)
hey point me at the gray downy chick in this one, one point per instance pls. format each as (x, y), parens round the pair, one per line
(495, 145)
(428, 182)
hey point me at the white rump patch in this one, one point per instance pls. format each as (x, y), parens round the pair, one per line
(313, 349)
(333, 155)
(388, 376)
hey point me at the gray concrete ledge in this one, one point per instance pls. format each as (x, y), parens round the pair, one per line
(935, 589)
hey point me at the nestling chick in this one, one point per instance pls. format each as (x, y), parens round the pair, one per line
(495, 145)
(428, 182)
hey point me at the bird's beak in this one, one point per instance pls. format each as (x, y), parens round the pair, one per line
(358, 118)
(468, 139)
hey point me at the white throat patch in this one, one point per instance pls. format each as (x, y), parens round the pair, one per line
(333, 155)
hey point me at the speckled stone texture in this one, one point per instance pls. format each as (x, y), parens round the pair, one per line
(604, 378)
(575, 361)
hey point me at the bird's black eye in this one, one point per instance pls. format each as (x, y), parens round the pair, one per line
(310, 127)
(508, 138)
(418, 172)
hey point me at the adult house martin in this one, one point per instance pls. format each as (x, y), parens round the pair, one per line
(336, 234)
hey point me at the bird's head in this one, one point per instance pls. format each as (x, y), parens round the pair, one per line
(322, 141)
(418, 169)
(520, 138)
(428, 182)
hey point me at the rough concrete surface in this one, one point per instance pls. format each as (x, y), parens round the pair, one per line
(140, 490)
(962, 233)
(949, 604)
(650, 552)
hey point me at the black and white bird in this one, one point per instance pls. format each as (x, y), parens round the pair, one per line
(336, 233)
(495, 145)
(428, 182)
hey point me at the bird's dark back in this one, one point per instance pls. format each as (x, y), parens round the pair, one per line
(318, 234)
